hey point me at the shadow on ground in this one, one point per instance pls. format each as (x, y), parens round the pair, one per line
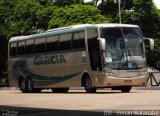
(27, 111)
(74, 91)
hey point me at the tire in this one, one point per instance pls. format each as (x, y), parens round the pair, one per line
(60, 90)
(23, 86)
(30, 85)
(88, 86)
(126, 89)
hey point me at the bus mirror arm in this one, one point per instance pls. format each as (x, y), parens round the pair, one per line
(102, 44)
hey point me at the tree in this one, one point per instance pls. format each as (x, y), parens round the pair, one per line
(53, 16)
(64, 3)
(149, 20)
(25, 18)
(6, 17)
(75, 14)
(44, 16)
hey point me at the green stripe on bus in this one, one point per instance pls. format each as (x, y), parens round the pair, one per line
(21, 68)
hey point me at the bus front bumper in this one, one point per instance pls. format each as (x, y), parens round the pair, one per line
(110, 81)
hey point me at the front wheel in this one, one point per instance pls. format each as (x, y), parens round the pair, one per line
(126, 89)
(88, 86)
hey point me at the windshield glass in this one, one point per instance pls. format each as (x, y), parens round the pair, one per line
(124, 48)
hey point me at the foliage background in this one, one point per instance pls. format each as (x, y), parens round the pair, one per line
(24, 17)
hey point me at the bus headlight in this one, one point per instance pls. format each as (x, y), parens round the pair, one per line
(110, 74)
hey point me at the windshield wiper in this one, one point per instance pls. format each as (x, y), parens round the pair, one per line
(127, 49)
(131, 59)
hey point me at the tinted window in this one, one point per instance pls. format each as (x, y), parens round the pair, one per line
(131, 32)
(40, 45)
(78, 40)
(93, 48)
(82, 40)
(65, 42)
(13, 49)
(30, 46)
(52, 43)
(111, 33)
(21, 48)
(75, 42)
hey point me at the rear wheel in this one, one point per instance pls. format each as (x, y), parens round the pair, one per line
(23, 86)
(126, 89)
(88, 86)
(60, 90)
(30, 85)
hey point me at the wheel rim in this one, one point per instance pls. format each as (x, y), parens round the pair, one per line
(30, 85)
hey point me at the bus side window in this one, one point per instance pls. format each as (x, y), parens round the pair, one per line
(82, 39)
(21, 48)
(78, 40)
(13, 49)
(30, 46)
(40, 45)
(52, 44)
(65, 42)
(75, 42)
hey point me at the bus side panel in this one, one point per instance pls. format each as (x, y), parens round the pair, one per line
(73, 69)
(56, 70)
(13, 72)
(47, 71)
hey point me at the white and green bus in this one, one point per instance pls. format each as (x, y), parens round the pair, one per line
(88, 55)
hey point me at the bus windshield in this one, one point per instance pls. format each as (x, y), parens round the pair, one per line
(124, 48)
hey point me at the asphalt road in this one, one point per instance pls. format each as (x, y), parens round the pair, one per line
(77, 103)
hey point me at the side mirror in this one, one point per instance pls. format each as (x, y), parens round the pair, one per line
(149, 43)
(102, 43)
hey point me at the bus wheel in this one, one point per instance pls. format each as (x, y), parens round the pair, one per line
(88, 86)
(30, 85)
(60, 90)
(23, 86)
(126, 89)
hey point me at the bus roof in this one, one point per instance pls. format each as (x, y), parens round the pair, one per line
(116, 25)
(74, 28)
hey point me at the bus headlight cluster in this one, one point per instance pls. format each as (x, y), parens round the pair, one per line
(110, 74)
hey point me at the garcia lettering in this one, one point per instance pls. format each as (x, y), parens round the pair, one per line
(49, 60)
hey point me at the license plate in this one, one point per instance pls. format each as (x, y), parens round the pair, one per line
(127, 81)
